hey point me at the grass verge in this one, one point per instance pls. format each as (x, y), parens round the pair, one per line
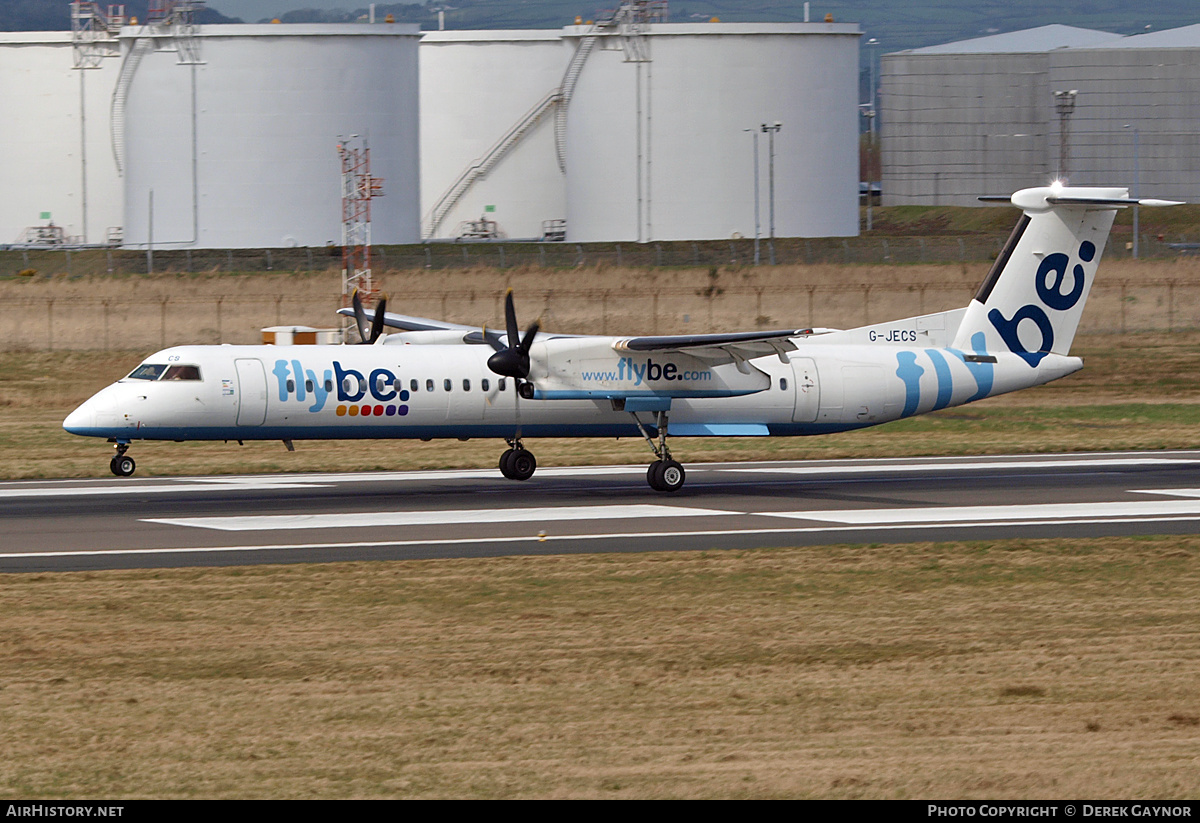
(1033, 668)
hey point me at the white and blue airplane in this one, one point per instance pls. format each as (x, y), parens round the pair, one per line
(443, 380)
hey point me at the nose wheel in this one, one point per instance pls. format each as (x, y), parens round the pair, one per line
(518, 463)
(122, 465)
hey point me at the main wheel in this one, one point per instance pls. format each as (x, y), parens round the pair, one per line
(122, 465)
(522, 464)
(506, 463)
(665, 476)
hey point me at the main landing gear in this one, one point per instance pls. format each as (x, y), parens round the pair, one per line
(122, 465)
(664, 474)
(517, 463)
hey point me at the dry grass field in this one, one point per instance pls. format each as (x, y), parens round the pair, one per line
(1015, 669)
(1007, 669)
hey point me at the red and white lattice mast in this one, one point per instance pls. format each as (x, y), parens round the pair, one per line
(358, 189)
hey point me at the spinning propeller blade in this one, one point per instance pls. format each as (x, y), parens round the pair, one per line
(512, 360)
(368, 336)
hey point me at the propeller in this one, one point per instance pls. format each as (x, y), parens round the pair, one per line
(368, 336)
(511, 360)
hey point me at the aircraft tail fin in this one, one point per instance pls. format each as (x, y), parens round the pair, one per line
(1033, 297)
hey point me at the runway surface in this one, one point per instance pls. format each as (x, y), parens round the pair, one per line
(204, 521)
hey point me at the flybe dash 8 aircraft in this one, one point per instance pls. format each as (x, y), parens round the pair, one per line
(433, 379)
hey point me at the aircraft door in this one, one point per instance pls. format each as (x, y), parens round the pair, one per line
(807, 389)
(252, 392)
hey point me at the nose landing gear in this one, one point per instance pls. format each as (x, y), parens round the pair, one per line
(517, 463)
(122, 465)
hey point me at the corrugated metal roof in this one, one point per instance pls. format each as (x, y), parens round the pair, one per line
(1040, 39)
(1181, 38)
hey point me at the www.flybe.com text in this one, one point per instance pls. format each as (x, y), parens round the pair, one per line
(647, 372)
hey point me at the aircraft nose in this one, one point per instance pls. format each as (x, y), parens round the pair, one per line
(80, 420)
(96, 416)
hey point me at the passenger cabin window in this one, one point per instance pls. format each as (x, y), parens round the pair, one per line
(413, 385)
(446, 384)
(429, 384)
(147, 371)
(309, 385)
(484, 384)
(466, 385)
(328, 385)
(500, 384)
(783, 384)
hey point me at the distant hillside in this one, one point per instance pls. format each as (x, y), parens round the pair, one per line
(895, 23)
(55, 15)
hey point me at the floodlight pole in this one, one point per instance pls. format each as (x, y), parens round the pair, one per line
(1136, 187)
(1064, 104)
(757, 223)
(771, 131)
(872, 45)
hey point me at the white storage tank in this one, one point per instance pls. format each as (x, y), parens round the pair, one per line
(54, 140)
(487, 131)
(238, 149)
(656, 148)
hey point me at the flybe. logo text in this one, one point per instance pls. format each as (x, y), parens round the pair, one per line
(349, 385)
(1050, 282)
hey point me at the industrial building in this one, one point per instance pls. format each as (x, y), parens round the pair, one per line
(176, 135)
(999, 113)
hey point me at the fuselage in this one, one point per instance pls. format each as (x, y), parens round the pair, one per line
(447, 391)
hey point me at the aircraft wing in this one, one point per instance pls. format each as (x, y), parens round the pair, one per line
(734, 347)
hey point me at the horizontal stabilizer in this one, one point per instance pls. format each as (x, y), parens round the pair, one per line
(406, 323)
(1114, 201)
(1058, 195)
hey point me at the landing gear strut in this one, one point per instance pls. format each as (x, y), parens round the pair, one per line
(664, 474)
(517, 463)
(121, 465)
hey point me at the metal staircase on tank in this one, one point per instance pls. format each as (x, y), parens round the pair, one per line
(173, 22)
(482, 166)
(629, 23)
(566, 91)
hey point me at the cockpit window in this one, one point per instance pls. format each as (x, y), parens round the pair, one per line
(147, 371)
(182, 373)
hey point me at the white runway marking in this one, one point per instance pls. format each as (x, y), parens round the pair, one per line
(166, 487)
(532, 516)
(228, 483)
(1171, 492)
(999, 514)
(974, 465)
(553, 538)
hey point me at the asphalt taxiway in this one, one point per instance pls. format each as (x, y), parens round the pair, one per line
(239, 520)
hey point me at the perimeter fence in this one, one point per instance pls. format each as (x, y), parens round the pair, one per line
(865, 249)
(157, 319)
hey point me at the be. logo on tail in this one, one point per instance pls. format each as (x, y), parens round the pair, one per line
(1049, 282)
